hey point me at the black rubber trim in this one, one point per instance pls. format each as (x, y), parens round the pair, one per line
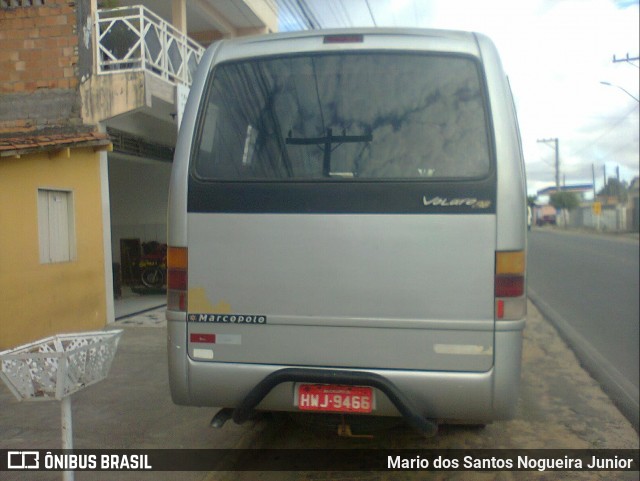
(408, 410)
(342, 197)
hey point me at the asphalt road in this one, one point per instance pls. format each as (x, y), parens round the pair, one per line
(588, 286)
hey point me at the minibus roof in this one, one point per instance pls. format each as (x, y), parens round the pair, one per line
(379, 39)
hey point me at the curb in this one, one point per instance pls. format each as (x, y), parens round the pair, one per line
(623, 394)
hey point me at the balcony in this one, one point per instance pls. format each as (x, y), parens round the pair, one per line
(131, 39)
(144, 66)
(143, 70)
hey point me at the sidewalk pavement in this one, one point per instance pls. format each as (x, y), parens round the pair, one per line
(561, 406)
(131, 303)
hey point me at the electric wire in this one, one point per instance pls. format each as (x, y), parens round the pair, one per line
(331, 9)
(344, 12)
(296, 16)
(308, 16)
(373, 19)
(605, 133)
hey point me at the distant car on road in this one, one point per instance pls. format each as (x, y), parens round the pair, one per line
(547, 219)
(546, 214)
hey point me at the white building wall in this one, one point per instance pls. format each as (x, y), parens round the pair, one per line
(139, 192)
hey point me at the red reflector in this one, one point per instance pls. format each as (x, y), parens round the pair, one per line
(208, 338)
(500, 309)
(509, 286)
(177, 279)
(343, 39)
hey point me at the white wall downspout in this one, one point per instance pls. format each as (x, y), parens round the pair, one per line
(105, 202)
(106, 231)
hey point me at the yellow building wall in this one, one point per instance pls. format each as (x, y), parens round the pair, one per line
(38, 300)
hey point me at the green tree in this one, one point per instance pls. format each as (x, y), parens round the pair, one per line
(565, 201)
(531, 200)
(615, 188)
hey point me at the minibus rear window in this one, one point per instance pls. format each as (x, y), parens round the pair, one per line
(345, 116)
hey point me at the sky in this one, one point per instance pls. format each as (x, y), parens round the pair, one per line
(556, 54)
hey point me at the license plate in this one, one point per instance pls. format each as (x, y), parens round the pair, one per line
(342, 399)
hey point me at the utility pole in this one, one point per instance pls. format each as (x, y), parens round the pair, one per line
(625, 59)
(593, 176)
(555, 141)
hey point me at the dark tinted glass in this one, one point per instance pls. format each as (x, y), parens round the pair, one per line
(344, 116)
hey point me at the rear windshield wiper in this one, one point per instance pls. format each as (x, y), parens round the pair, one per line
(328, 141)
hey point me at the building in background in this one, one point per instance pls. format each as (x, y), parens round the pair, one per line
(603, 212)
(90, 97)
(584, 192)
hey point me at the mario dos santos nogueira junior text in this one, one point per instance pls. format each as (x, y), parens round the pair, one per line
(520, 463)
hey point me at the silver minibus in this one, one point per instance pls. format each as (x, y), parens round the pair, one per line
(347, 229)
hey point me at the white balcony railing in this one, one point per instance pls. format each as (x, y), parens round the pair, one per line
(134, 38)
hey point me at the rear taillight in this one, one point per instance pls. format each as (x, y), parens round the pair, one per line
(509, 287)
(177, 279)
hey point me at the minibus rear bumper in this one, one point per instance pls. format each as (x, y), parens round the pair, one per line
(432, 395)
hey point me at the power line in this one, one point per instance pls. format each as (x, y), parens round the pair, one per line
(335, 13)
(346, 13)
(289, 19)
(308, 15)
(605, 133)
(330, 13)
(302, 19)
(373, 19)
(549, 163)
(614, 151)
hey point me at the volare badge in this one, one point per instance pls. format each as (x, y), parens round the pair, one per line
(456, 202)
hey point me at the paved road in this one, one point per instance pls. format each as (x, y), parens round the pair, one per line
(588, 285)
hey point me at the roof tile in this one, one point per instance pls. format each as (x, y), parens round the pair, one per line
(25, 144)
